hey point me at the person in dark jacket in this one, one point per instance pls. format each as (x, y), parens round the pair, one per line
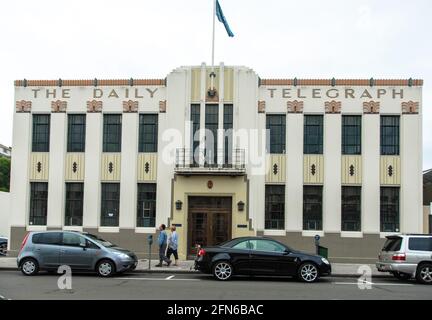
(162, 242)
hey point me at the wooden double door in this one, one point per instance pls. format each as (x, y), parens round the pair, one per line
(209, 221)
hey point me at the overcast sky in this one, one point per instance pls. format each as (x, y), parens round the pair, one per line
(80, 39)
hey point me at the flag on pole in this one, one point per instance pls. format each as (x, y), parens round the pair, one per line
(222, 19)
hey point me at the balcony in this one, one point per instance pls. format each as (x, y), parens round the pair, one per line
(186, 164)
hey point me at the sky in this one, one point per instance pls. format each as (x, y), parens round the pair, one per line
(87, 39)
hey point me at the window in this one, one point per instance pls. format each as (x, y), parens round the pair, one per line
(148, 132)
(38, 203)
(112, 132)
(195, 119)
(76, 133)
(52, 238)
(73, 239)
(74, 204)
(275, 207)
(351, 208)
(110, 204)
(228, 126)
(146, 214)
(244, 245)
(266, 245)
(389, 209)
(211, 125)
(41, 133)
(420, 244)
(392, 244)
(276, 123)
(351, 134)
(313, 134)
(312, 208)
(389, 135)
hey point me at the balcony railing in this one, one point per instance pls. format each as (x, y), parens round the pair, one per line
(188, 162)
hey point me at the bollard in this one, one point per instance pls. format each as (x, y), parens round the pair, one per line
(150, 242)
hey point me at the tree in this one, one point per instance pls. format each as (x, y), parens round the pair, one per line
(4, 174)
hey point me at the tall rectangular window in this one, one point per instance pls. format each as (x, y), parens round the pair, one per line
(74, 204)
(76, 133)
(211, 125)
(112, 132)
(389, 135)
(389, 209)
(38, 203)
(146, 214)
(195, 119)
(351, 134)
(276, 124)
(110, 204)
(228, 126)
(312, 208)
(351, 208)
(148, 133)
(313, 134)
(275, 207)
(41, 133)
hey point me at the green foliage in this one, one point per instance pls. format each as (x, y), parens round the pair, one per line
(4, 174)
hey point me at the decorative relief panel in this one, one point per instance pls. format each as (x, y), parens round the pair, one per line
(94, 106)
(147, 167)
(333, 106)
(58, 106)
(351, 169)
(410, 107)
(371, 107)
(130, 106)
(111, 167)
(313, 168)
(39, 166)
(261, 106)
(228, 85)
(75, 166)
(295, 106)
(23, 106)
(390, 170)
(275, 166)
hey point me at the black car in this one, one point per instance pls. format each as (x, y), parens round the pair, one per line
(260, 256)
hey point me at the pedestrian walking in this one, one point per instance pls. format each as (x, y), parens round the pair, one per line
(162, 241)
(173, 244)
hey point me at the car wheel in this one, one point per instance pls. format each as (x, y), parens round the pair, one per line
(105, 268)
(401, 276)
(424, 273)
(3, 249)
(223, 270)
(29, 267)
(308, 272)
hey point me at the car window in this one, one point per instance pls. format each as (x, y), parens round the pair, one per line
(420, 244)
(266, 245)
(392, 244)
(47, 238)
(244, 245)
(100, 241)
(73, 239)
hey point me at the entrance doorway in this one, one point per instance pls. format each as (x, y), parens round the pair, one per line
(209, 221)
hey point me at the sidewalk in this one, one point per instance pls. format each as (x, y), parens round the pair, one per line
(339, 269)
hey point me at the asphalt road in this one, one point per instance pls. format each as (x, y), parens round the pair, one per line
(13, 285)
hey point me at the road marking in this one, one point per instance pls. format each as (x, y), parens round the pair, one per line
(376, 284)
(170, 277)
(158, 279)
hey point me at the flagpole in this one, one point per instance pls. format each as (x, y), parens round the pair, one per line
(213, 39)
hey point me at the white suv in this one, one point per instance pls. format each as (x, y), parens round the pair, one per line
(406, 256)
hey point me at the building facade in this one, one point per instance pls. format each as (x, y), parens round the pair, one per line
(220, 153)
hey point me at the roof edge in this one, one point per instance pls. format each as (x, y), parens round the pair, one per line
(343, 82)
(94, 82)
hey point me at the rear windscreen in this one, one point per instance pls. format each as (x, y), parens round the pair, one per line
(392, 244)
(420, 244)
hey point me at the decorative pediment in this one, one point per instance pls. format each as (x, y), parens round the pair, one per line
(58, 106)
(333, 106)
(371, 107)
(295, 106)
(162, 106)
(23, 106)
(261, 106)
(130, 106)
(410, 107)
(94, 106)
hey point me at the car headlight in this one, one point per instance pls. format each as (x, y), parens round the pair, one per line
(121, 255)
(325, 260)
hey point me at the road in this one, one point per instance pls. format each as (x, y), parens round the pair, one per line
(13, 286)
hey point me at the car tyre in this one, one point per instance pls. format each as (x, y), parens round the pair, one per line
(105, 268)
(401, 275)
(223, 270)
(308, 272)
(424, 273)
(29, 267)
(3, 249)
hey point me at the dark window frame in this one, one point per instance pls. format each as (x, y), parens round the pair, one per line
(313, 134)
(390, 209)
(76, 134)
(276, 126)
(228, 120)
(195, 127)
(313, 207)
(41, 132)
(148, 132)
(74, 202)
(352, 134)
(112, 132)
(351, 208)
(110, 203)
(211, 125)
(146, 205)
(38, 203)
(390, 135)
(274, 218)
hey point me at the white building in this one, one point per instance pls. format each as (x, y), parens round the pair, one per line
(343, 159)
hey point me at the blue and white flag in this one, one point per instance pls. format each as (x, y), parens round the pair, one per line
(222, 19)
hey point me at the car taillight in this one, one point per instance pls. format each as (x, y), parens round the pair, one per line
(201, 252)
(399, 257)
(24, 241)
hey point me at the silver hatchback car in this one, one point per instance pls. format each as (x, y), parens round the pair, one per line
(48, 250)
(407, 256)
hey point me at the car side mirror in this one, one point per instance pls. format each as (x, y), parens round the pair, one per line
(286, 251)
(83, 245)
